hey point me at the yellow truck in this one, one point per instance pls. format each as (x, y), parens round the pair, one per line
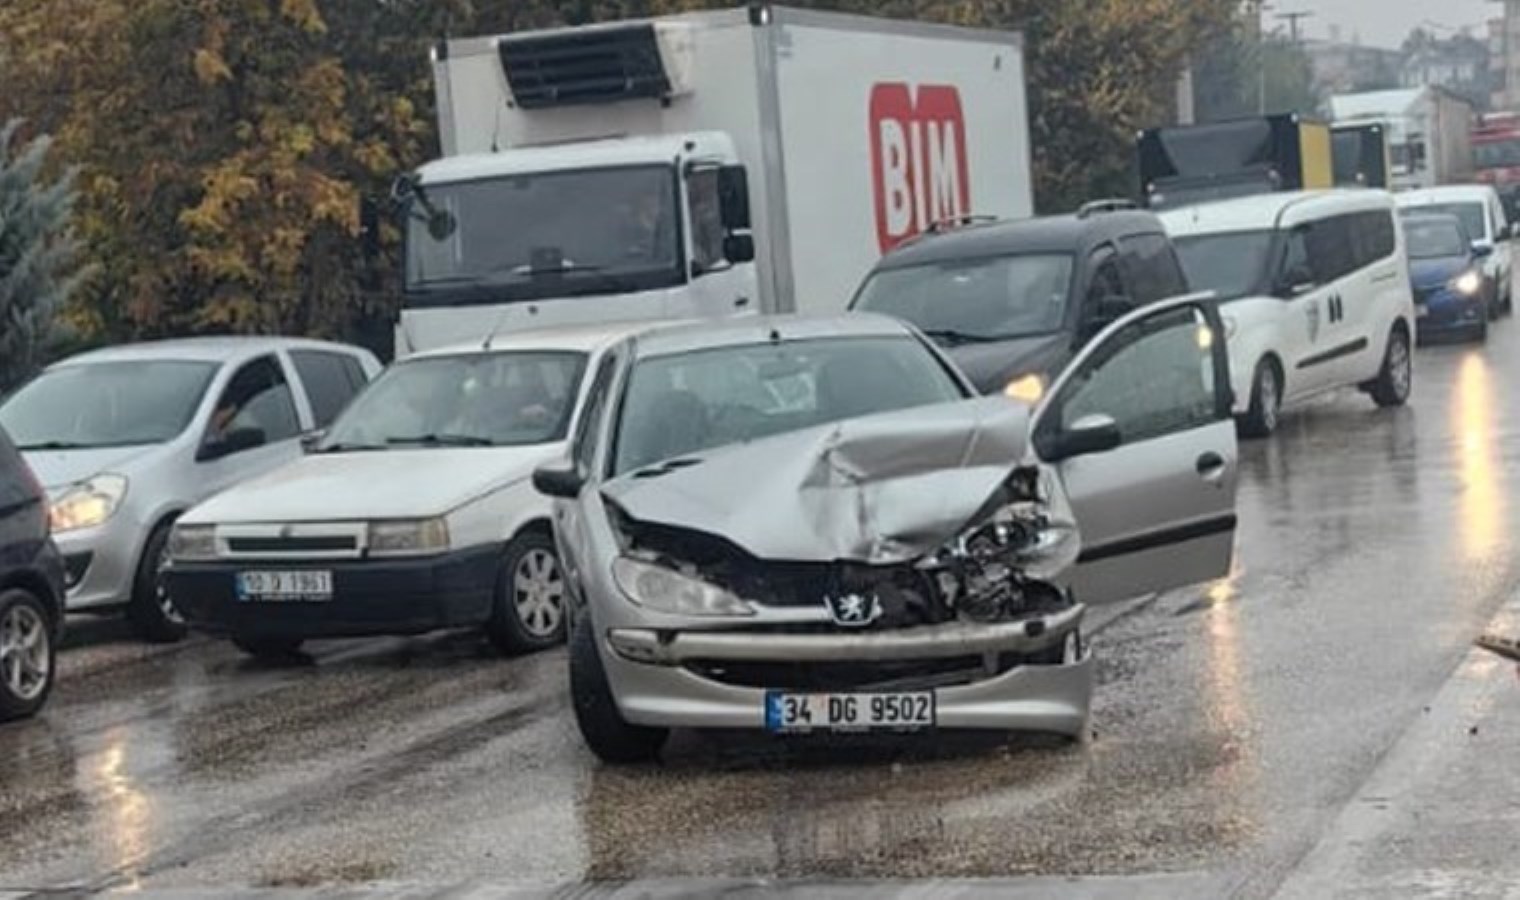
(1186, 164)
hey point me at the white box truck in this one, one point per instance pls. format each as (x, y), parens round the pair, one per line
(1429, 132)
(751, 160)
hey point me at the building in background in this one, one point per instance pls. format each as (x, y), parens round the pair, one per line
(1504, 57)
(1459, 63)
(1346, 68)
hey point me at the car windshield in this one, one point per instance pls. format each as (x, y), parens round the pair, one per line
(510, 398)
(1470, 214)
(1231, 264)
(106, 404)
(1432, 240)
(985, 299)
(689, 402)
(581, 225)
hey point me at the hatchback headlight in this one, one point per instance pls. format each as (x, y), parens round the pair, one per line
(408, 537)
(87, 504)
(192, 543)
(1028, 388)
(666, 590)
(1468, 283)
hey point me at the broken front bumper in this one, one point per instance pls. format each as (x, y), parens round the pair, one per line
(1028, 675)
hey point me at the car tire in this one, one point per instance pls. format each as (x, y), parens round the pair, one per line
(611, 737)
(29, 658)
(267, 648)
(528, 610)
(151, 611)
(1396, 377)
(1261, 416)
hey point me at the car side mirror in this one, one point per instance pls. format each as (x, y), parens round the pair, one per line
(562, 481)
(733, 198)
(1096, 433)
(739, 248)
(235, 441)
(312, 439)
(1481, 249)
(1294, 284)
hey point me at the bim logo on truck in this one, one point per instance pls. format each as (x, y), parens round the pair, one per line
(918, 159)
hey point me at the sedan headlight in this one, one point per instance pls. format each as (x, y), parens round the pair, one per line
(1468, 283)
(87, 504)
(192, 543)
(408, 537)
(1028, 388)
(666, 590)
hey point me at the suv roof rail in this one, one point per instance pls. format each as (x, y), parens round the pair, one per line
(950, 223)
(1115, 204)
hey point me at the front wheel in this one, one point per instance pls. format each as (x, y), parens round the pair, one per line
(1261, 417)
(1396, 377)
(611, 737)
(151, 610)
(27, 655)
(528, 612)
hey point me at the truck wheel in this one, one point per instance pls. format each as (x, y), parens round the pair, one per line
(151, 610)
(27, 655)
(1394, 380)
(528, 612)
(1260, 419)
(611, 737)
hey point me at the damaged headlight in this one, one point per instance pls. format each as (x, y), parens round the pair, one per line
(666, 590)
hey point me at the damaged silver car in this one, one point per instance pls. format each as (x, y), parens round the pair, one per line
(814, 525)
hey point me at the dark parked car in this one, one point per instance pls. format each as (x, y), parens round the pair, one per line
(1013, 301)
(31, 589)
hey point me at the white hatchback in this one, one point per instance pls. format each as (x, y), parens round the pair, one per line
(1483, 217)
(1315, 295)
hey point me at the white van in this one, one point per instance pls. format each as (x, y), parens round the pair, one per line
(1315, 293)
(1482, 215)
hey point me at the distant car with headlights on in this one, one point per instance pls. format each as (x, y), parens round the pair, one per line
(1450, 288)
(1486, 222)
(416, 512)
(127, 438)
(815, 525)
(1013, 301)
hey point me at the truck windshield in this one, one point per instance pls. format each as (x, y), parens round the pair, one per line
(975, 299)
(1231, 264)
(548, 234)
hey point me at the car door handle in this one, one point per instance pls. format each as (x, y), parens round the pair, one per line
(1211, 466)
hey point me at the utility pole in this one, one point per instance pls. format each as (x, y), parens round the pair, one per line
(1292, 19)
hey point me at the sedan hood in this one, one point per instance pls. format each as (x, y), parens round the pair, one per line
(61, 468)
(386, 484)
(883, 489)
(992, 365)
(1427, 274)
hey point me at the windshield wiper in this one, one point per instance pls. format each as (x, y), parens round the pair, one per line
(57, 445)
(441, 440)
(668, 466)
(955, 338)
(349, 448)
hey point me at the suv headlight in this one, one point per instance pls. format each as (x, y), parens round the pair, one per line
(408, 537)
(1468, 283)
(192, 543)
(87, 504)
(666, 590)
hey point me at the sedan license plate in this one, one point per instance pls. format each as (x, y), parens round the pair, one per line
(287, 587)
(797, 713)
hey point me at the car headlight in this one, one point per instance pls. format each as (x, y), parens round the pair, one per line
(192, 543)
(1028, 388)
(666, 590)
(1468, 283)
(87, 504)
(408, 537)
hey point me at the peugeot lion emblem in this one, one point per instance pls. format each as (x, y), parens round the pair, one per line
(853, 610)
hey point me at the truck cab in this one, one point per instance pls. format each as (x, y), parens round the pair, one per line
(626, 228)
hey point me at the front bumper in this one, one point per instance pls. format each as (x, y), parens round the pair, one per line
(1445, 312)
(706, 679)
(370, 597)
(101, 562)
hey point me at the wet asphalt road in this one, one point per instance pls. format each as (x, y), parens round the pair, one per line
(1234, 724)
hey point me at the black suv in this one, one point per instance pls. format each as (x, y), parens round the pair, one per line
(1013, 301)
(31, 590)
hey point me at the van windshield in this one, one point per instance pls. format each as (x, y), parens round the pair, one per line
(1231, 264)
(987, 299)
(566, 233)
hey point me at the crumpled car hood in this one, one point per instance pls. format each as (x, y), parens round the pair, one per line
(883, 489)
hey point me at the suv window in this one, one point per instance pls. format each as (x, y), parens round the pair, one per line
(1153, 267)
(257, 398)
(331, 380)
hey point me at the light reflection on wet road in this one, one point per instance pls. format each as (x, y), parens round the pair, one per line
(1232, 722)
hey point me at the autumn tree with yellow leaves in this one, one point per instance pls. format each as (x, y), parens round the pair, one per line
(223, 146)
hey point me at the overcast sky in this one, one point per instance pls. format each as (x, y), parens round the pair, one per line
(1385, 23)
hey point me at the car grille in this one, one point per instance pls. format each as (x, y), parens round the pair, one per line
(309, 544)
(854, 676)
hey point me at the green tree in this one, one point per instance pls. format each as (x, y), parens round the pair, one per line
(36, 254)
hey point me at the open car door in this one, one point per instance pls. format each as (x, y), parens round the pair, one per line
(1138, 429)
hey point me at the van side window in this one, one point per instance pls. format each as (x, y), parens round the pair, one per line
(1331, 252)
(1374, 236)
(706, 219)
(1296, 270)
(1107, 280)
(1153, 267)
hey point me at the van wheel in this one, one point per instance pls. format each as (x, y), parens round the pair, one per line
(528, 612)
(151, 610)
(611, 737)
(28, 656)
(1394, 380)
(1260, 419)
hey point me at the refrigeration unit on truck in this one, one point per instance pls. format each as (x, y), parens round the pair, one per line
(1359, 154)
(707, 164)
(1186, 164)
(1429, 132)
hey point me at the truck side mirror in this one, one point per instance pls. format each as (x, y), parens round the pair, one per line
(739, 248)
(733, 198)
